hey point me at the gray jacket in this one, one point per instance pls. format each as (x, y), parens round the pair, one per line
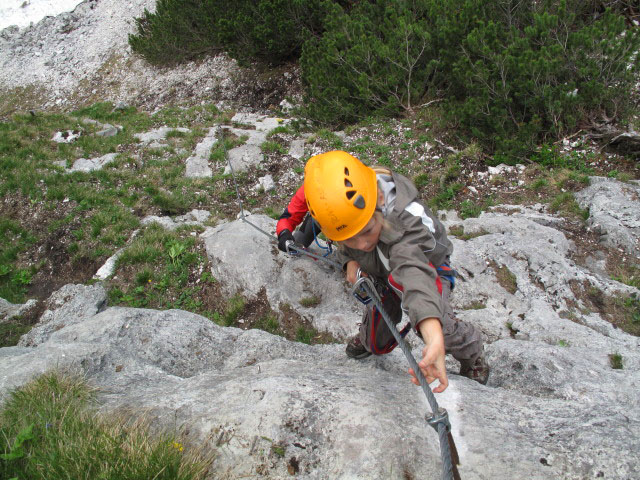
(415, 239)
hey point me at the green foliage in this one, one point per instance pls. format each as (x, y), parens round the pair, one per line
(536, 70)
(511, 77)
(379, 59)
(615, 360)
(12, 330)
(268, 323)
(273, 147)
(305, 335)
(13, 240)
(310, 302)
(551, 157)
(235, 307)
(270, 30)
(469, 209)
(48, 430)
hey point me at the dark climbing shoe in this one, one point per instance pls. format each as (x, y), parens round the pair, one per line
(355, 349)
(478, 371)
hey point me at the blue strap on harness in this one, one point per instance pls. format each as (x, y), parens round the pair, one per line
(328, 248)
(449, 273)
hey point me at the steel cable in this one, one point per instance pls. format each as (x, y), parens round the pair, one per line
(439, 418)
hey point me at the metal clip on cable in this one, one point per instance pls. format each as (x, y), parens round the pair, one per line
(358, 290)
(289, 246)
(434, 419)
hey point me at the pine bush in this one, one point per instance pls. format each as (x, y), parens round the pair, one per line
(379, 58)
(267, 30)
(538, 71)
(511, 73)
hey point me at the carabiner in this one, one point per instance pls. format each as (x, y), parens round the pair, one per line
(358, 290)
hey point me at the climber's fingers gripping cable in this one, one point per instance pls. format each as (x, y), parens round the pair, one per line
(286, 241)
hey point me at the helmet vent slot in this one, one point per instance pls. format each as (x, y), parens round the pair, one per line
(347, 183)
(359, 203)
(350, 194)
(346, 171)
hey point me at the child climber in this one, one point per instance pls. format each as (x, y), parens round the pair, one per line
(384, 232)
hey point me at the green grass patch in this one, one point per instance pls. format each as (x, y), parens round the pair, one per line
(310, 302)
(627, 274)
(458, 232)
(550, 156)
(158, 266)
(268, 323)
(11, 331)
(505, 278)
(14, 239)
(271, 146)
(566, 203)
(234, 308)
(475, 305)
(305, 335)
(49, 429)
(616, 361)
(469, 209)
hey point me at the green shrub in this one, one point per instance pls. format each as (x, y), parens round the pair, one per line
(379, 58)
(537, 70)
(270, 30)
(511, 77)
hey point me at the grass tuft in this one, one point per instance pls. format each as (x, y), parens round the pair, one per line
(49, 429)
(615, 360)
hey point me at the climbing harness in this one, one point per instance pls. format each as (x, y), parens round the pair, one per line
(439, 418)
(365, 292)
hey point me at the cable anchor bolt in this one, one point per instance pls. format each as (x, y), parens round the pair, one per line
(435, 419)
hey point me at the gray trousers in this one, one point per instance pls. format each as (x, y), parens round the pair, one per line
(461, 339)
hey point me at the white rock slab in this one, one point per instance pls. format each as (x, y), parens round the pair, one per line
(198, 163)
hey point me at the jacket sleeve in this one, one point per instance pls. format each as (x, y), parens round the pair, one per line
(412, 272)
(294, 213)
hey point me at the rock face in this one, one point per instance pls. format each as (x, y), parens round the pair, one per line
(619, 227)
(553, 408)
(83, 57)
(243, 392)
(251, 263)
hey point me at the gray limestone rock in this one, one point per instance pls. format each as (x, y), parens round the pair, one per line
(91, 164)
(553, 407)
(249, 154)
(70, 305)
(68, 136)
(265, 183)
(250, 262)
(296, 150)
(158, 135)
(194, 217)
(198, 163)
(241, 392)
(10, 310)
(613, 212)
(108, 131)
(109, 267)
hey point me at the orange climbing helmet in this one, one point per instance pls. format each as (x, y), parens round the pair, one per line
(341, 193)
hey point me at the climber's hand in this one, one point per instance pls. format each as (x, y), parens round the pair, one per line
(283, 238)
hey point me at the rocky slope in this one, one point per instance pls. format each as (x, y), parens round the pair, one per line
(557, 405)
(83, 56)
(553, 408)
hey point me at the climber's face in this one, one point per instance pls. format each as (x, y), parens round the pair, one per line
(367, 238)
